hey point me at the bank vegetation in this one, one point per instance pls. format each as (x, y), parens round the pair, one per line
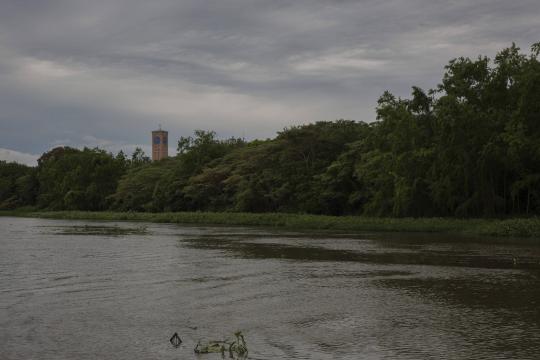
(469, 148)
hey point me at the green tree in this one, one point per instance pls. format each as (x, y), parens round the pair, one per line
(18, 186)
(75, 179)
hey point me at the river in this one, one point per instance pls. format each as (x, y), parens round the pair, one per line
(119, 290)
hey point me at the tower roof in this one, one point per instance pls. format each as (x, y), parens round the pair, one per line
(160, 129)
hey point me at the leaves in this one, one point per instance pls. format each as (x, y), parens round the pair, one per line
(469, 147)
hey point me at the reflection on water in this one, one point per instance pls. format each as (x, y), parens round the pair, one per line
(92, 290)
(409, 251)
(102, 230)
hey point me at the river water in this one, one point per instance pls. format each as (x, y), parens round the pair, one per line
(119, 290)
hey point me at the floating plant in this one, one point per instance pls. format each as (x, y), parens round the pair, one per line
(237, 349)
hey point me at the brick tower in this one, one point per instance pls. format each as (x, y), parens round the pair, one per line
(160, 145)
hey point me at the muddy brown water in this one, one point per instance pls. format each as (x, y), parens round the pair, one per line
(119, 290)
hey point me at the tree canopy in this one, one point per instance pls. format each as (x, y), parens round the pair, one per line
(470, 147)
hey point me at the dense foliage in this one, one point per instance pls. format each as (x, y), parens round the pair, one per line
(468, 148)
(78, 179)
(18, 185)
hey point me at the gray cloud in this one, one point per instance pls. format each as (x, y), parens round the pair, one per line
(115, 69)
(19, 157)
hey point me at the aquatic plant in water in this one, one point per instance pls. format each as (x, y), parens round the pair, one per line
(237, 349)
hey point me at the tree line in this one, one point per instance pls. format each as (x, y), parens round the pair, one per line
(470, 147)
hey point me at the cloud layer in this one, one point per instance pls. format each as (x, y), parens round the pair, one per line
(71, 70)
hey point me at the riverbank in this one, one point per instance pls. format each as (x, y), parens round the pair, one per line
(483, 227)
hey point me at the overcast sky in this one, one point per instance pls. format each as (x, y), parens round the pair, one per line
(107, 72)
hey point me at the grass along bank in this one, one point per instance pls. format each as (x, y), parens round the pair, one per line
(529, 227)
